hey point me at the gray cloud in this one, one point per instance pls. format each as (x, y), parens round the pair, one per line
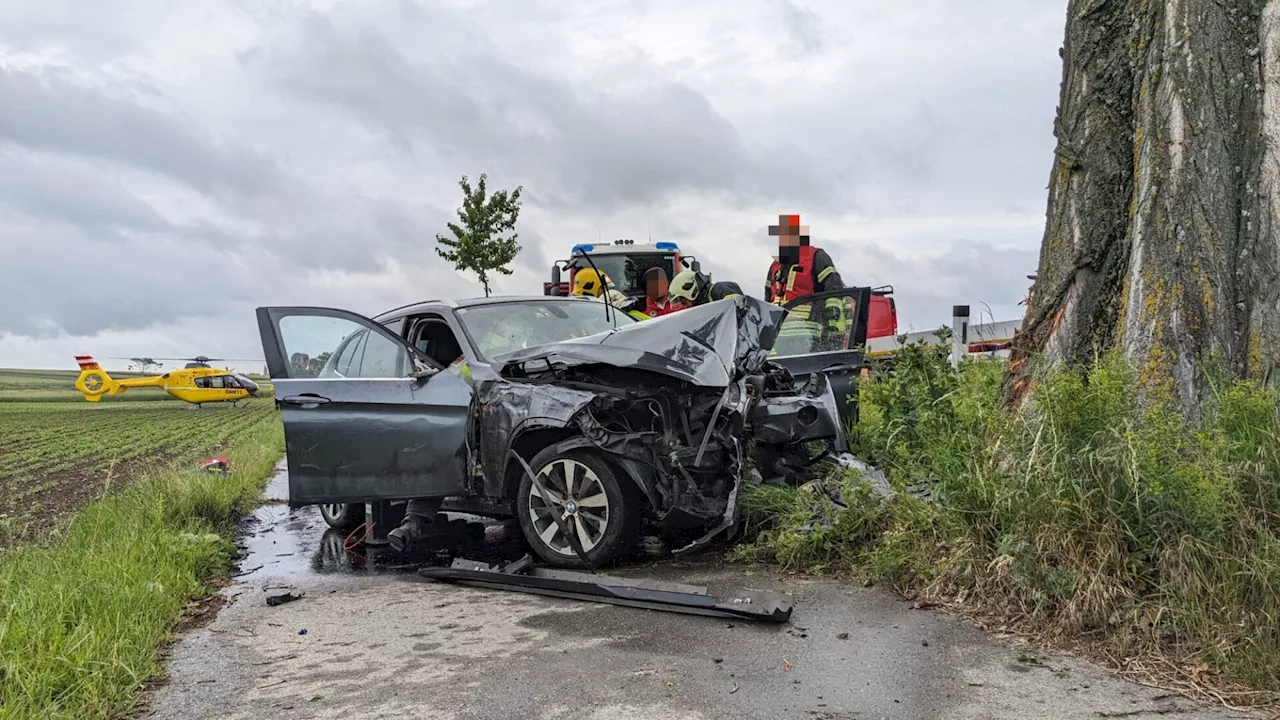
(141, 283)
(48, 111)
(989, 278)
(67, 191)
(309, 154)
(804, 24)
(582, 146)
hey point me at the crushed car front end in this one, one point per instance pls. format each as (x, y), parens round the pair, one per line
(673, 404)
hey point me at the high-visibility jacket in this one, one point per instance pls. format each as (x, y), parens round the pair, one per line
(460, 368)
(800, 279)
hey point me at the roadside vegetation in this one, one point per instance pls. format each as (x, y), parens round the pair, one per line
(1095, 519)
(111, 532)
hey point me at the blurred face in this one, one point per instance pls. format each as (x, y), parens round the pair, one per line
(656, 288)
(789, 232)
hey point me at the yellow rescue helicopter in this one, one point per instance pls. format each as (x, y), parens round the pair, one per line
(197, 383)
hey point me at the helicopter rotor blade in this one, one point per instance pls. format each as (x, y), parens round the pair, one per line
(201, 358)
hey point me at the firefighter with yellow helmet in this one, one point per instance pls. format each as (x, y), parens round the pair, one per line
(588, 283)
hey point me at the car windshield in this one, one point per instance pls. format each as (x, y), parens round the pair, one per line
(510, 326)
(627, 271)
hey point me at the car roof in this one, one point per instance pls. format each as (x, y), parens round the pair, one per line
(425, 305)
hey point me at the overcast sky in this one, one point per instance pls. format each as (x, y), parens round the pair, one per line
(167, 167)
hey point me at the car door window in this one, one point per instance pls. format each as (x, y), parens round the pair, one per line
(823, 323)
(310, 339)
(436, 339)
(380, 357)
(346, 359)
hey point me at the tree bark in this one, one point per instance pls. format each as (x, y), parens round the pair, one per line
(1161, 237)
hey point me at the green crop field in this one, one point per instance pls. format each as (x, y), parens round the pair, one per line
(57, 456)
(108, 530)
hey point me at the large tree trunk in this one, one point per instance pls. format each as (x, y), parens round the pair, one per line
(1161, 236)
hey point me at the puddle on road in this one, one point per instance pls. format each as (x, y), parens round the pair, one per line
(280, 543)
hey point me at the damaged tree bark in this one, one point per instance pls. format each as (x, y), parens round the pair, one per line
(1161, 236)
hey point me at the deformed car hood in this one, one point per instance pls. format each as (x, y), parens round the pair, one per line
(708, 345)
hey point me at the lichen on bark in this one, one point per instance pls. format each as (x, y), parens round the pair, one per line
(1160, 235)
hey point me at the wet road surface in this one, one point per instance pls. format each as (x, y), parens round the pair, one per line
(381, 641)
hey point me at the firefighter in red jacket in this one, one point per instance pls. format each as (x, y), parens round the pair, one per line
(657, 300)
(802, 269)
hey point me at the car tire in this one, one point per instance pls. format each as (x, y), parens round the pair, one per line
(342, 516)
(611, 521)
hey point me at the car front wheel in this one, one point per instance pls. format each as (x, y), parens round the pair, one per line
(586, 493)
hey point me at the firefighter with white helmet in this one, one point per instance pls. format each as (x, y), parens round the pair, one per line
(690, 288)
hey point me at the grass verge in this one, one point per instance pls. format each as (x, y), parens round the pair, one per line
(1096, 518)
(81, 619)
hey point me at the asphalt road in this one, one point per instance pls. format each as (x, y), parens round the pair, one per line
(381, 641)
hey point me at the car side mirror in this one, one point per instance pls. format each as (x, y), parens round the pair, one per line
(695, 266)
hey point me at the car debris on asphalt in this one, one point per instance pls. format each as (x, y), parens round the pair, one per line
(282, 598)
(522, 576)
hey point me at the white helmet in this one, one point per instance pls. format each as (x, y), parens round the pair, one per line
(685, 285)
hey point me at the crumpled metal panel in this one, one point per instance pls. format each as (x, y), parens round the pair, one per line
(503, 410)
(706, 345)
(687, 476)
(790, 419)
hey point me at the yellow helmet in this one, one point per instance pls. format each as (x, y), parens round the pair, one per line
(684, 285)
(586, 282)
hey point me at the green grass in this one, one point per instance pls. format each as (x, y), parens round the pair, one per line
(81, 618)
(1097, 515)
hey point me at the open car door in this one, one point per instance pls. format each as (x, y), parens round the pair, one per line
(825, 332)
(366, 416)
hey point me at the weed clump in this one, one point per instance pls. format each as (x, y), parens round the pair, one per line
(1097, 512)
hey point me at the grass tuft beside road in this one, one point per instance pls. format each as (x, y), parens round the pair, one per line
(1097, 517)
(82, 618)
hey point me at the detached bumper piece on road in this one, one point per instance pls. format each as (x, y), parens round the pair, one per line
(520, 576)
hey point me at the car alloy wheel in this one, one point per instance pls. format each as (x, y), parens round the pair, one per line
(578, 497)
(342, 516)
(601, 507)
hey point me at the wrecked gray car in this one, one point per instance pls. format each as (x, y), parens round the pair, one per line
(619, 423)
